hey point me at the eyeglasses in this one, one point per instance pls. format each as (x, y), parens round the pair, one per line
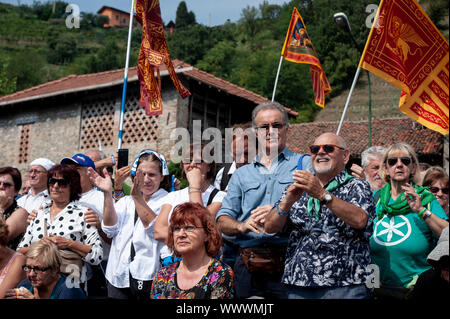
(61, 182)
(189, 229)
(328, 148)
(36, 171)
(394, 160)
(435, 190)
(6, 184)
(37, 270)
(266, 126)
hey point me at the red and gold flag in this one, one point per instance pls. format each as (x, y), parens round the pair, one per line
(298, 48)
(406, 49)
(154, 52)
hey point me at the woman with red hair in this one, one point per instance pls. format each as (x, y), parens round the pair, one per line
(194, 237)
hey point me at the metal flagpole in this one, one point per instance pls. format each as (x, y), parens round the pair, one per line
(125, 78)
(276, 79)
(348, 100)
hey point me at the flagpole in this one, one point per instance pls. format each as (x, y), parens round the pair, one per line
(355, 79)
(276, 79)
(125, 78)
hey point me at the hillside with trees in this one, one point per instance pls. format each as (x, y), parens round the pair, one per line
(37, 47)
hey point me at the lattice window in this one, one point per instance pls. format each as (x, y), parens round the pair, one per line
(24, 144)
(97, 123)
(137, 127)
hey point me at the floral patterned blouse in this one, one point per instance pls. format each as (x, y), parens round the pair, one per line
(217, 283)
(327, 252)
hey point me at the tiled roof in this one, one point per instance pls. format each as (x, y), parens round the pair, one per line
(384, 132)
(74, 83)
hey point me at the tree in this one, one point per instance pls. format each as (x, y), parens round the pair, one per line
(7, 85)
(26, 68)
(249, 18)
(64, 50)
(184, 18)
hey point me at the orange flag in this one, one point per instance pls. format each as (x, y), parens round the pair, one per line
(298, 48)
(407, 50)
(154, 51)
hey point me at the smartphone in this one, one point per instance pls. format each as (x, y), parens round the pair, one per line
(122, 157)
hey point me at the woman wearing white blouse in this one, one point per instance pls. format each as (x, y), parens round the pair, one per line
(61, 222)
(200, 176)
(135, 254)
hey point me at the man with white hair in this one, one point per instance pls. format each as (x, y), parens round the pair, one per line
(371, 164)
(34, 199)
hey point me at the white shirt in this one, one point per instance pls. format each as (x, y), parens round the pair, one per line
(147, 259)
(95, 199)
(31, 202)
(219, 175)
(182, 196)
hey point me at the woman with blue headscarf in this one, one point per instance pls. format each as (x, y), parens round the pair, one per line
(135, 254)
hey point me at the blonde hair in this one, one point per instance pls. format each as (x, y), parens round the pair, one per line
(47, 253)
(403, 148)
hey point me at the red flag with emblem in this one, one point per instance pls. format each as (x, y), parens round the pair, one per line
(154, 52)
(406, 49)
(298, 48)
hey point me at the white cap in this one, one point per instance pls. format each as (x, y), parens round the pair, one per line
(44, 162)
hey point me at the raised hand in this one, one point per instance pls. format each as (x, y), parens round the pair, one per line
(357, 171)
(412, 197)
(103, 183)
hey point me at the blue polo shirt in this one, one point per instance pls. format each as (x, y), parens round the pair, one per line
(255, 185)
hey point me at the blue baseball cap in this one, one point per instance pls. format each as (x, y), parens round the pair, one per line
(79, 159)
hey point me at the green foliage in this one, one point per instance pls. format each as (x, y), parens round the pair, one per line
(184, 18)
(26, 68)
(7, 85)
(90, 20)
(63, 50)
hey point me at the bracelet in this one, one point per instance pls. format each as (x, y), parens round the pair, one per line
(421, 212)
(113, 160)
(280, 212)
(194, 191)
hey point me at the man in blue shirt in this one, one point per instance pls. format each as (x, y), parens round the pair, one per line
(252, 191)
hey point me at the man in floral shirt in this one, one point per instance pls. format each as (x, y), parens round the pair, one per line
(332, 217)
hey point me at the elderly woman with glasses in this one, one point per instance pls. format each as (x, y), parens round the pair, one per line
(44, 280)
(61, 222)
(437, 180)
(193, 235)
(409, 220)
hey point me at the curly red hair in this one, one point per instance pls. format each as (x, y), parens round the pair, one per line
(192, 213)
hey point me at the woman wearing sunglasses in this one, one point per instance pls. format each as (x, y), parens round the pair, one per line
(61, 222)
(437, 181)
(44, 279)
(193, 236)
(409, 220)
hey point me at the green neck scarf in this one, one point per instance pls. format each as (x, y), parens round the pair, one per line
(314, 203)
(400, 206)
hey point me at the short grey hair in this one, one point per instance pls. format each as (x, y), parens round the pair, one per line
(374, 152)
(270, 106)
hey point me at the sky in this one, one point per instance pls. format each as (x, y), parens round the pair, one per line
(207, 12)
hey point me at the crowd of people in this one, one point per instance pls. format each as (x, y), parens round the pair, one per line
(279, 225)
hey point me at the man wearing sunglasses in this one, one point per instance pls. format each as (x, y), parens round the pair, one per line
(332, 214)
(252, 191)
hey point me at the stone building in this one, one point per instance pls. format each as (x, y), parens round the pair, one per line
(81, 112)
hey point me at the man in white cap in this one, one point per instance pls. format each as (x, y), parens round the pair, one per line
(34, 199)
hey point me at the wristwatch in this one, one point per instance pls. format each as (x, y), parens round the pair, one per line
(326, 198)
(426, 214)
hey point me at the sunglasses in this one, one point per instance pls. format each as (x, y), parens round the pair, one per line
(327, 148)
(61, 182)
(394, 160)
(276, 125)
(6, 184)
(435, 190)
